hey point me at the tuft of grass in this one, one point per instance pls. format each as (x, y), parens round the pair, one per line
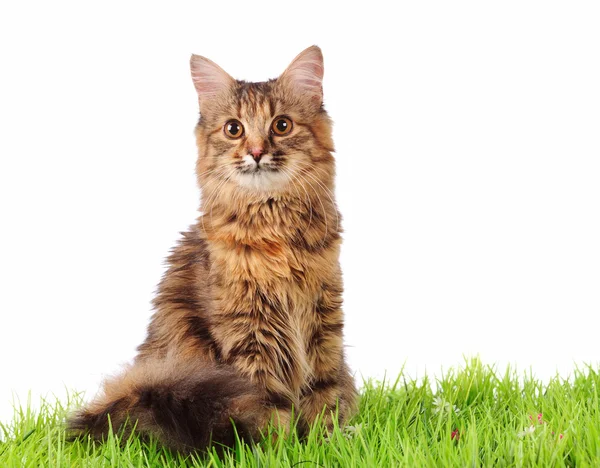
(471, 416)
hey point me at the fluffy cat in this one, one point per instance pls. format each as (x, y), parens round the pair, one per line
(248, 321)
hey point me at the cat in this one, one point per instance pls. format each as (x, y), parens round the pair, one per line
(248, 321)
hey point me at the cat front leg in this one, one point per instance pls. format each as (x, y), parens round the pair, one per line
(329, 397)
(330, 392)
(264, 347)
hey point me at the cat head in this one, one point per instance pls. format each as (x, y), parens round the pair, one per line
(266, 138)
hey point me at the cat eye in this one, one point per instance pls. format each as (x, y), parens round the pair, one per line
(233, 129)
(281, 126)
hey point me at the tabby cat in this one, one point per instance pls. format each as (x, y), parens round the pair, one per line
(248, 322)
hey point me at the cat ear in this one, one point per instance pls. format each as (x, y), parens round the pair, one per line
(209, 78)
(305, 74)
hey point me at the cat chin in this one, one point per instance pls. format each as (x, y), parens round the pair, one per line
(263, 181)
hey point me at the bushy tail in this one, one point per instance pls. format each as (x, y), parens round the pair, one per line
(186, 405)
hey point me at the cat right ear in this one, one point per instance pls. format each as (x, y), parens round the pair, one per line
(209, 78)
(305, 74)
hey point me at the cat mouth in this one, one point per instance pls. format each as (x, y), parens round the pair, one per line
(257, 170)
(262, 177)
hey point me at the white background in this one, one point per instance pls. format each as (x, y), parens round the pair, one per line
(468, 153)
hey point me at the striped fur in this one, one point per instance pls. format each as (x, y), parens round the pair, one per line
(248, 322)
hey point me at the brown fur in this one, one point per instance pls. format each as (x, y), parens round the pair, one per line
(248, 321)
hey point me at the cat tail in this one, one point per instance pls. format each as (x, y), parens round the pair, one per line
(187, 406)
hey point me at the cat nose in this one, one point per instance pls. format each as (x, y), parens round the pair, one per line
(257, 153)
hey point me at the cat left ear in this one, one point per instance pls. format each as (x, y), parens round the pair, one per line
(209, 78)
(305, 74)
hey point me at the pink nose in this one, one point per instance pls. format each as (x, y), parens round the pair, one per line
(257, 151)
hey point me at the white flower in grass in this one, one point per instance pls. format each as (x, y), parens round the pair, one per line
(526, 432)
(442, 406)
(438, 404)
(352, 431)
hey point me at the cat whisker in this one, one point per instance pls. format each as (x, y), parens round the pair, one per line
(218, 173)
(223, 182)
(206, 203)
(324, 214)
(211, 198)
(292, 179)
(202, 174)
(329, 194)
(215, 173)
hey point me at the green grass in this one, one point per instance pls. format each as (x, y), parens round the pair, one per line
(472, 416)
